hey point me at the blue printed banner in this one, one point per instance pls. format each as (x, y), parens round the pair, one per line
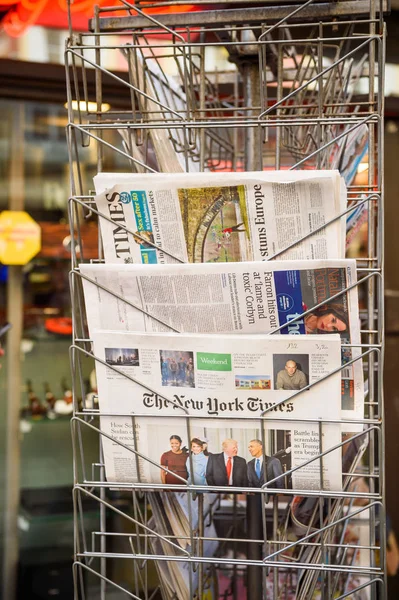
(289, 300)
(144, 227)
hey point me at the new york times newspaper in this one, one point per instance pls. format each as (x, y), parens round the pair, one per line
(183, 374)
(285, 297)
(162, 379)
(220, 217)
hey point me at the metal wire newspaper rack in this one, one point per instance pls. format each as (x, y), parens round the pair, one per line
(300, 86)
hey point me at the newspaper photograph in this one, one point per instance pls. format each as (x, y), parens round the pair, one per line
(221, 217)
(217, 376)
(252, 297)
(222, 452)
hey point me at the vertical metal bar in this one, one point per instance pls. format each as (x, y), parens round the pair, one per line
(200, 501)
(13, 459)
(321, 516)
(380, 306)
(138, 540)
(255, 508)
(99, 91)
(252, 141)
(202, 106)
(136, 447)
(98, 80)
(76, 541)
(103, 526)
(190, 514)
(320, 94)
(263, 81)
(371, 286)
(264, 498)
(235, 521)
(15, 317)
(275, 547)
(235, 131)
(280, 75)
(146, 543)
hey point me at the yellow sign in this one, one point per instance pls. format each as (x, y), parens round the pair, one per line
(20, 237)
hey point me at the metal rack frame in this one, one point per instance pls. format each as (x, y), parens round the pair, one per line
(291, 102)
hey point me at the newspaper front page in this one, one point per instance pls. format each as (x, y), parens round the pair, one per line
(219, 376)
(242, 298)
(221, 217)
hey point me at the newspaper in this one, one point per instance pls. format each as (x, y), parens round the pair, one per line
(357, 221)
(177, 577)
(244, 298)
(353, 149)
(163, 100)
(218, 376)
(151, 450)
(221, 217)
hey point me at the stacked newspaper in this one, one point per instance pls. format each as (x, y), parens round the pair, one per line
(278, 297)
(222, 382)
(173, 537)
(231, 373)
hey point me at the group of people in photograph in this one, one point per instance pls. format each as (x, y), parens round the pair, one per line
(200, 467)
(177, 372)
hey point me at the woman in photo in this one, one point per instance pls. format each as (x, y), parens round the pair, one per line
(199, 460)
(330, 318)
(174, 460)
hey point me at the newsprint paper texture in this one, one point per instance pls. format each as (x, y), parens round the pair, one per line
(252, 297)
(215, 377)
(220, 217)
(219, 376)
(293, 444)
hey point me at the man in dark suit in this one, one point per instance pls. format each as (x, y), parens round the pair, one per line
(227, 468)
(256, 468)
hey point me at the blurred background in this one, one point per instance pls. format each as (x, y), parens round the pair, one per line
(33, 154)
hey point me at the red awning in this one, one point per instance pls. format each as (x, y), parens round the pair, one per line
(20, 14)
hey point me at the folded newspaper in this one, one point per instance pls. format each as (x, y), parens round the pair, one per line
(201, 375)
(178, 580)
(240, 377)
(221, 217)
(298, 297)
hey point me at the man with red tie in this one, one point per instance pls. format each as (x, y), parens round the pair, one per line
(227, 468)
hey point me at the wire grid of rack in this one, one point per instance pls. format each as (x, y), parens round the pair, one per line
(302, 85)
